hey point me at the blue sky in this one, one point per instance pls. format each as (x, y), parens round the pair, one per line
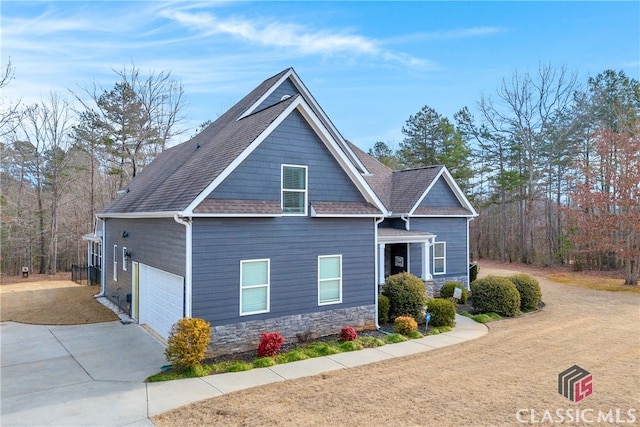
(370, 65)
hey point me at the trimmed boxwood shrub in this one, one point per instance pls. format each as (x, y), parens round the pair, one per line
(383, 309)
(407, 295)
(446, 291)
(529, 289)
(443, 312)
(497, 294)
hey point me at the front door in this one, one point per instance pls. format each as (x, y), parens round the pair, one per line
(398, 256)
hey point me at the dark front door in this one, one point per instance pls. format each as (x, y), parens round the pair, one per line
(399, 260)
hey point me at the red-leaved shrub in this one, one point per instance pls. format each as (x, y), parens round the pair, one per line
(270, 344)
(347, 333)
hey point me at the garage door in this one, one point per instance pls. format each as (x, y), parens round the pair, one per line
(161, 299)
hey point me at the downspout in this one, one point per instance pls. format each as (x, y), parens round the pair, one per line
(376, 270)
(405, 218)
(187, 222)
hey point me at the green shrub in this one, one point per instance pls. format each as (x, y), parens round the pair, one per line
(292, 356)
(473, 271)
(483, 317)
(497, 294)
(383, 309)
(415, 335)
(239, 366)
(443, 312)
(405, 325)
(263, 362)
(317, 349)
(351, 346)
(199, 371)
(395, 338)
(188, 342)
(407, 295)
(439, 330)
(446, 291)
(371, 342)
(529, 289)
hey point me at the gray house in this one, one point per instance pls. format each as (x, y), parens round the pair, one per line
(269, 220)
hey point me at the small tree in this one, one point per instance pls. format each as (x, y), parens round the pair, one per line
(606, 205)
(188, 342)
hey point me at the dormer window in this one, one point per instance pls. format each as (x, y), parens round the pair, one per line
(294, 190)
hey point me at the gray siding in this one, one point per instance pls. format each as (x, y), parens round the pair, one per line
(293, 142)
(286, 88)
(453, 231)
(293, 245)
(441, 195)
(415, 259)
(158, 242)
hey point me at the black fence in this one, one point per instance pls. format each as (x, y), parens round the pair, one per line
(85, 274)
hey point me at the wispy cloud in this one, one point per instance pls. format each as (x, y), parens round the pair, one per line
(302, 39)
(459, 33)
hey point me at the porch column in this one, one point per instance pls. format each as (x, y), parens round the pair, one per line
(426, 260)
(381, 263)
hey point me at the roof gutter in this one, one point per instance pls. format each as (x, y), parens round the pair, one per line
(188, 223)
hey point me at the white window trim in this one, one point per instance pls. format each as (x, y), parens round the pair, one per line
(443, 258)
(305, 191)
(333, 278)
(124, 258)
(267, 285)
(115, 263)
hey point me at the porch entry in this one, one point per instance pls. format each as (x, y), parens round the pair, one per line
(394, 254)
(396, 258)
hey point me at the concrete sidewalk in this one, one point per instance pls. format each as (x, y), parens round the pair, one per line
(94, 374)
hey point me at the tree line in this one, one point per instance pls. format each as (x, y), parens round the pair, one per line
(61, 164)
(551, 164)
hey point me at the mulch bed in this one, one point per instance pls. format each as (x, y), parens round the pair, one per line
(251, 355)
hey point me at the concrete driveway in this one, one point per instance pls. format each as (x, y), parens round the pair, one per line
(76, 375)
(93, 375)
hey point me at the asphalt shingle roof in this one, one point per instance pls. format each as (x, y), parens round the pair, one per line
(178, 175)
(409, 185)
(344, 208)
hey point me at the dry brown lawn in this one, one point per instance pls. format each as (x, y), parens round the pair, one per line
(478, 383)
(41, 301)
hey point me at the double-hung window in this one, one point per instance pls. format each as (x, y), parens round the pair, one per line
(124, 258)
(294, 190)
(254, 286)
(439, 258)
(329, 279)
(115, 263)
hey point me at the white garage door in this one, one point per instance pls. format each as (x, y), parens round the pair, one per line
(161, 299)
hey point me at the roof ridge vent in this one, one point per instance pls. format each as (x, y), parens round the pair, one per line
(285, 97)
